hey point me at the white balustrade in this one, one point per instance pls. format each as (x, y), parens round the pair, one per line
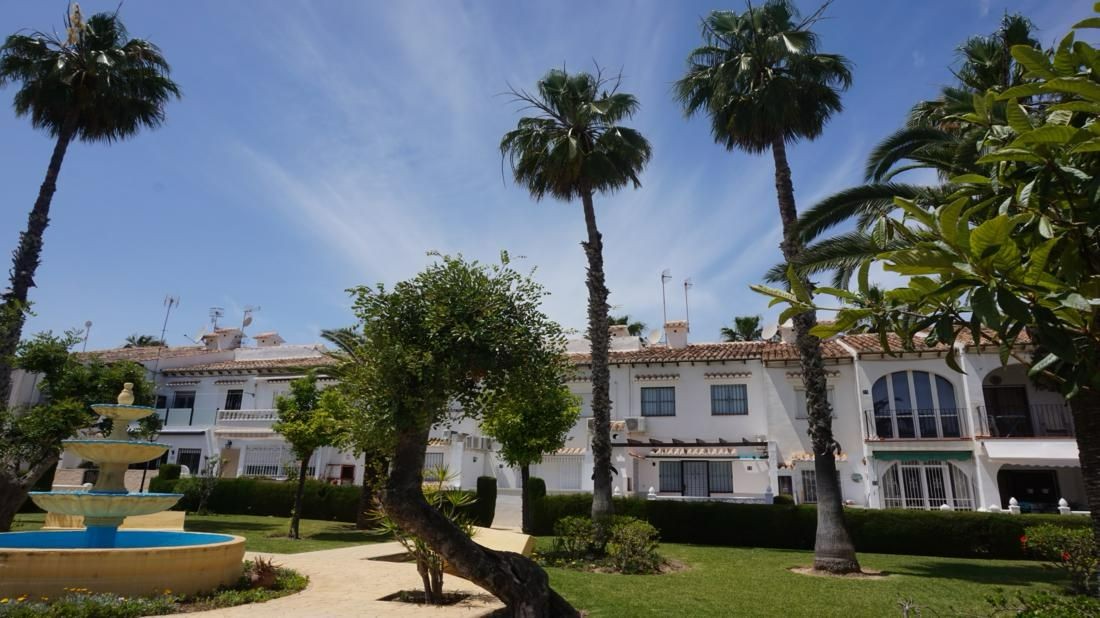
(1013, 506)
(241, 416)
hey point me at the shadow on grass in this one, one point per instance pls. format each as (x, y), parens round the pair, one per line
(351, 536)
(1006, 575)
(229, 525)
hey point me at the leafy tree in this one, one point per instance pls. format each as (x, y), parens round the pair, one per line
(572, 148)
(308, 420)
(745, 328)
(762, 82)
(97, 85)
(1012, 255)
(452, 336)
(358, 437)
(143, 341)
(531, 415)
(635, 328)
(30, 437)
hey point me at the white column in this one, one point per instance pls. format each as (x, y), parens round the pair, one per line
(458, 451)
(241, 458)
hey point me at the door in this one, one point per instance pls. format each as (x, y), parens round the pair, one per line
(1009, 414)
(230, 458)
(1035, 490)
(695, 478)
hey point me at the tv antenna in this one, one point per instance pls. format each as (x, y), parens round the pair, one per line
(687, 312)
(248, 311)
(87, 331)
(665, 278)
(216, 313)
(169, 302)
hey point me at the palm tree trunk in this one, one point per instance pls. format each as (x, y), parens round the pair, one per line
(517, 581)
(296, 516)
(1086, 425)
(25, 262)
(833, 548)
(525, 500)
(374, 469)
(599, 336)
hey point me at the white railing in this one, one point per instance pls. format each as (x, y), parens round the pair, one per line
(238, 416)
(764, 498)
(174, 417)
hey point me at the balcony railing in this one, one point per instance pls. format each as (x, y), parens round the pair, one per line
(1045, 420)
(915, 423)
(245, 416)
(177, 416)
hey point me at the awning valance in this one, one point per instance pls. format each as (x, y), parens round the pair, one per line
(1034, 452)
(923, 455)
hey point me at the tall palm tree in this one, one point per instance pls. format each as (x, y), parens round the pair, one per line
(142, 341)
(745, 328)
(97, 85)
(635, 328)
(762, 82)
(934, 137)
(572, 148)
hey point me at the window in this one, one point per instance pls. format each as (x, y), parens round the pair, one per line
(670, 477)
(183, 399)
(926, 485)
(190, 457)
(915, 404)
(809, 486)
(659, 401)
(721, 477)
(729, 399)
(233, 399)
(786, 486)
(803, 412)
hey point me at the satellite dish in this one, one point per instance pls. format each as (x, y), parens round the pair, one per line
(654, 336)
(769, 331)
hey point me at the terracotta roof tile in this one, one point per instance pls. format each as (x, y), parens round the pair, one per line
(143, 353)
(305, 362)
(733, 350)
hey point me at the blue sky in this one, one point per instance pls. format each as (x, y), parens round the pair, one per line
(320, 146)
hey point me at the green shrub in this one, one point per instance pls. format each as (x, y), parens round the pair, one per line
(1070, 549)
(248, 496)
(169, 472)
(632, 547)
(536, 488)
(927, 533)
(575, 537)
(1044, 605)
(783, 499)
(485, 507)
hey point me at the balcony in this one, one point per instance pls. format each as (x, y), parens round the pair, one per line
(248, 418)
(915, 424)
(176, 417)
(1051, 420)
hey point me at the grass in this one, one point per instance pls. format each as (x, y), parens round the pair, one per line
(723, 581)
(262, 534)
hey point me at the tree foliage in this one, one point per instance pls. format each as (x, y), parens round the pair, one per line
(143, 341)
(745, 328)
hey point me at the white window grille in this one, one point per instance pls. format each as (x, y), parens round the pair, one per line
(926, 485)
(274, 461)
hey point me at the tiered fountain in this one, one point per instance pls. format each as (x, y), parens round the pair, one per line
(102, 558)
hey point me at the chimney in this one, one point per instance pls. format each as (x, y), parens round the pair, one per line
(786, 332)
(676, 333)
(268, 340)
(619, 331)
(223, 339)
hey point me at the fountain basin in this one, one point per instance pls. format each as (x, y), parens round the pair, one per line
(115, 451)
(143, 562)
(103, 505)
(122, 412)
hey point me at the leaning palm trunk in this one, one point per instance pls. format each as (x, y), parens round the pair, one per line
(833, 548)
(599, 336)
(516, 580)
(25, 262)
(1086, 425)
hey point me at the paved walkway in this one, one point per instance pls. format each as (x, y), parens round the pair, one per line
(509, 513)
(344, 582)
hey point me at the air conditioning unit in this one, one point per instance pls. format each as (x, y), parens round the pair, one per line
(635, 424)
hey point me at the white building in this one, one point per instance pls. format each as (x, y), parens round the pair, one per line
(707, 420)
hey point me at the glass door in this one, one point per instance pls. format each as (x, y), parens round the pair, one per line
(695, 478)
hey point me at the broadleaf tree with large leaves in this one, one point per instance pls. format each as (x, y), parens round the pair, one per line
(443, 345)
(96, 85)
(761, 81)
(1011, 256)
(572, 148)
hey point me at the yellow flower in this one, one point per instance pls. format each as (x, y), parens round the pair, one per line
(4, 601)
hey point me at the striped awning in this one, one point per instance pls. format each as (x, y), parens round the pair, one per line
(701, 451)
(568, 451)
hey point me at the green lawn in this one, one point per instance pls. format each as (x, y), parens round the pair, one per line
(262, 534)
(726, 581)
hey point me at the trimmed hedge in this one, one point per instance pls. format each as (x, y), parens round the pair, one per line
(536, 488)
(170, 472)
(484, 509)
(248, 496)
(927, 533)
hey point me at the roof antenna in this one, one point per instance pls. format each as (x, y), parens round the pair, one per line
(665, 278)
(169, 302)
(687, 312)
(216, 313)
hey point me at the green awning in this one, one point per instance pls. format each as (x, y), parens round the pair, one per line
(923, 455)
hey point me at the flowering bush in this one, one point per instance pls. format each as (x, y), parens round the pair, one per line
(1071, 549)
(632, 547)
(81, 603)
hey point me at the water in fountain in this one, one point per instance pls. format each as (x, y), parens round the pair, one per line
(108, 503)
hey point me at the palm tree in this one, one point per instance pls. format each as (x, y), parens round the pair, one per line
(934, 137)
(97, 85)
(761, 81)
(143, 341)
(635, 328)
(745, 328)
(350, 357)
(572, 148)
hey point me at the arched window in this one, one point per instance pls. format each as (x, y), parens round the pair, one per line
(926, 485)
(915, 404)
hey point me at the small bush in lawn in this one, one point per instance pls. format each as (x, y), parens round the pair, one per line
(1071, 549)
(783, 499)
(632, 547)
(169, 472)
(1044, 605)
(575, 537)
